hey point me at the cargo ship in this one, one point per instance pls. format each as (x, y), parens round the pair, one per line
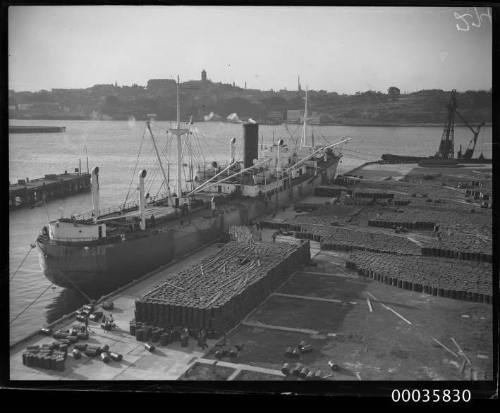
(107, 248)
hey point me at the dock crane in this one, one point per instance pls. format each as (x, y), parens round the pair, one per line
(446, 146)
(472, 144)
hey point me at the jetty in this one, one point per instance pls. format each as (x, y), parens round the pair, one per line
(37, 129)
(32, 192)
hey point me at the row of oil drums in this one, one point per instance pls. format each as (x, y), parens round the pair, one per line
(279, 225)
(328, 245)
(307, 235)
(422, 288)
(418, 225)
(166, 314)
(382, 244)
(373, 195)
(103, 353)
(462, 255)
(299, 370)
(149, 333)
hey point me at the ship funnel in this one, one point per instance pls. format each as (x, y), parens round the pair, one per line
(278, 163)
(94, 182)
(232, 150)
(250, 143)
(142, 198)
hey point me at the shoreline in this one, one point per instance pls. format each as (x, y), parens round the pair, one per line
(350, 124)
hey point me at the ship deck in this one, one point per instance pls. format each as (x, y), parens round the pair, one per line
(371, 330)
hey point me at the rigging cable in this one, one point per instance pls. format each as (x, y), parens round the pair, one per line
(22, 262)
(135, 167)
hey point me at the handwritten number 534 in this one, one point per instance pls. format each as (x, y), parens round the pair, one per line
(475, 21)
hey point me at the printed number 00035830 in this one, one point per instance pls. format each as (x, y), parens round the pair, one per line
(433, 396)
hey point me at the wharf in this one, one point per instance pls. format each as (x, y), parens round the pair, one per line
(32, 192)
(37, 129)
(372, 324)
(370, 330)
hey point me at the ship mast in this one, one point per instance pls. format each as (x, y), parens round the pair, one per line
(304, 128)
(179, 132)
(166, 180)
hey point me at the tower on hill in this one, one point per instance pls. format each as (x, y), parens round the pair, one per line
(203, 75)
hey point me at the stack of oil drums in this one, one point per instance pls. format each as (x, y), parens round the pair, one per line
(46, 356)
(218, 292)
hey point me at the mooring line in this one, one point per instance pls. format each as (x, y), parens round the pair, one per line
(29, 305)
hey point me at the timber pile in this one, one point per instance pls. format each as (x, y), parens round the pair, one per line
(446, 278)
(220, 290)
(242, 233)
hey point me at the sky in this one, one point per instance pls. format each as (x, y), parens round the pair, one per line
(338, 49)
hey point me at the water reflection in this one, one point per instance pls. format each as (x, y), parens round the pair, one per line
(68, 300)
(64, 303)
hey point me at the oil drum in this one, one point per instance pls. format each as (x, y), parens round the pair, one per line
(91, 352)
(304, 372)
(105, 357)
(333, 366)
(132, 328)
(297, 369)
(60, 364)
(155, 335)
(139, 334)
(306, 348)
(115, 356)
(82, 336)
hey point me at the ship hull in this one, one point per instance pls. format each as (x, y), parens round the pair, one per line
(96, 268)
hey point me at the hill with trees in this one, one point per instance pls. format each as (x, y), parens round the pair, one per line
(202, 97)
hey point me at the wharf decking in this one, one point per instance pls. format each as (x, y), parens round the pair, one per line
(32, 192)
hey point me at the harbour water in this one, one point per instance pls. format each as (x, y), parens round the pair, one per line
(114, 145)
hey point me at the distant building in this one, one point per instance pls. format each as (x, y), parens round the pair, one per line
(203, 75)
(294, 115)
(24, 106)
(156, 85)
(274, 116)
(297, 116)
(103, 88)
(313, 118)
(393, 92)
